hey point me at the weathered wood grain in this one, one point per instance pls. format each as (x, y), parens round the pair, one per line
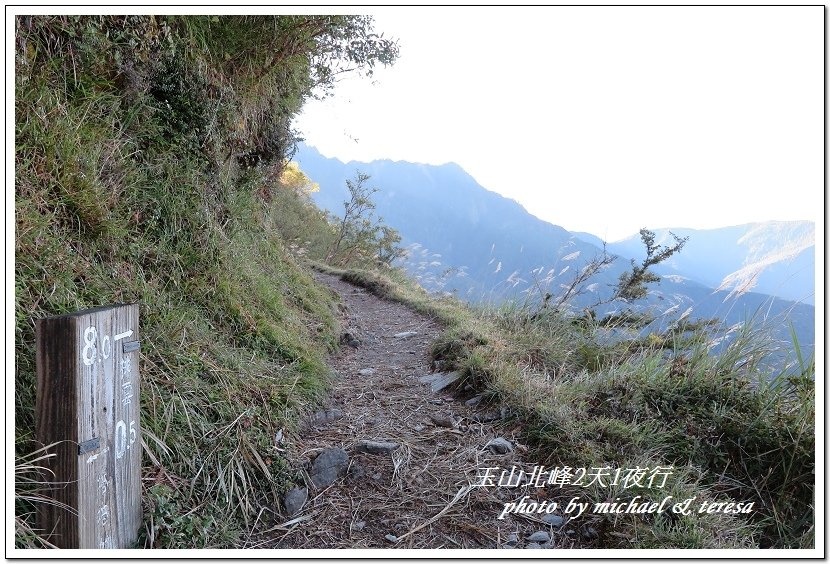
(88, 408)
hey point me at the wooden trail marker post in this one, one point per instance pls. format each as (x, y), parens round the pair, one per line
(88, 403)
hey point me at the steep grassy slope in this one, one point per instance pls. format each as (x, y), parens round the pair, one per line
(148, 160)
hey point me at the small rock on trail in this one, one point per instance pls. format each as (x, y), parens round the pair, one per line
(322, 417)
(553, 520)
(440, 380)
(329, 465)
(500, 445)
(405, 334)
(294, 500)
(539, 536)
(376, 447)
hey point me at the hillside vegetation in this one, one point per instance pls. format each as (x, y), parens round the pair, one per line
(151, 167)
(149, 157)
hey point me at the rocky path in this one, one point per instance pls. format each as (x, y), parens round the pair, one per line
(391, 463)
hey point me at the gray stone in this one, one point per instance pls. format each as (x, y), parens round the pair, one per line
(533, 545)
(376, 447)
(329, 465)
(349, 339)
(472, 402)
(440, 380)
(553, 520)
(590, 533)
(391, 538)
(405, 334)
(294, 500)
(322, 417)
(486, 417)
(418, 428)
(359, 525)
(513, 539)
(539, 536)
(443, 420)
(499, 445)
(356, 472)
(367, 371)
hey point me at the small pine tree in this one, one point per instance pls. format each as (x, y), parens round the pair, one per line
(632, 284)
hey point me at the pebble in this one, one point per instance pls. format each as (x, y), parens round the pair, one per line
(440, 380)
(442, 420)
(329, 465)
(590, 533)
(391, 538)
(405, 334)
(359, 525)
(349, 339)
(376, 447)
(539, 536)
(418, 428)
(513, 539)
(367, 371)
(486, 417)
(472, 402)
(294, 500)
(356, 472)
(499, 445)
(553, 520)
(322, 417)
(533, 545)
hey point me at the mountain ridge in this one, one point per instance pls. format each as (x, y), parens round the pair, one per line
(483, 247)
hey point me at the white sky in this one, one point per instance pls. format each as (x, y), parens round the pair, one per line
(601, 119)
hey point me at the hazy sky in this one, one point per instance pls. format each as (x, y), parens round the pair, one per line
(601, 119)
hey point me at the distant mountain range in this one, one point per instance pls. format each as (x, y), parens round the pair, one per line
(484, 247)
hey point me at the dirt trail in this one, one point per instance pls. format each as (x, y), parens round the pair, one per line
(419, 495)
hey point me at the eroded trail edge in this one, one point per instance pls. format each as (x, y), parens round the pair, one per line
(391, 463)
